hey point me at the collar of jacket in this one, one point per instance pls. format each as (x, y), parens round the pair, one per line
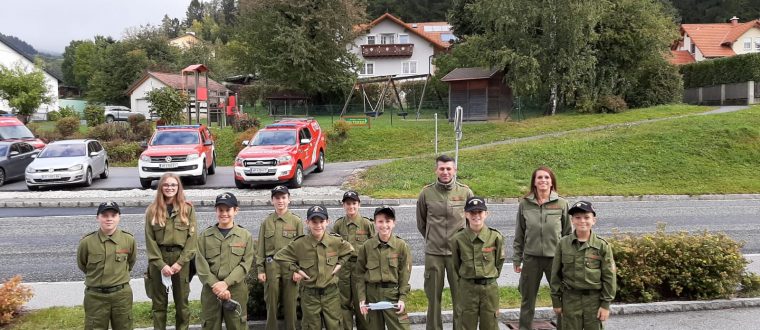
(446, 186)
(553, 196)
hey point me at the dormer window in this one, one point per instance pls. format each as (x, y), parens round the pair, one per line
(693, 48)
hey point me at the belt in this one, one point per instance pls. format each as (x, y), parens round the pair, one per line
(481, 281)
(352, 259)
(383, 284)
(170, 248)
(321, 291)
(107, 289)
(585, 292)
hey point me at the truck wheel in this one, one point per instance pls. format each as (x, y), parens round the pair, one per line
(201, 179)
(240, 185)
(212, 168)
(320, 162)
(297, 179)
(145, 183)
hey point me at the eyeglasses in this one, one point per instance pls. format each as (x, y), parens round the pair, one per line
(170, 185)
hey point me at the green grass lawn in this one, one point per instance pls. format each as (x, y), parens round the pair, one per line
(73, 317)
(694, 155)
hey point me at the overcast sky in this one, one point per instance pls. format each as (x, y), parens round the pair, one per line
(49, 25)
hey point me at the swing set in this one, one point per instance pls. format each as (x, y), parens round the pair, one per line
(376, 108)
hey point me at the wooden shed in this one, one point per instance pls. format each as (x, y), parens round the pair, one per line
(481, 93)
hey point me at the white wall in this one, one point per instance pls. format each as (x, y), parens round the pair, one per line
(138, 102)
(738, 45)
(423, 49)
(10, 58)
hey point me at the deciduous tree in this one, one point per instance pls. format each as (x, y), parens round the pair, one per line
(23, 88)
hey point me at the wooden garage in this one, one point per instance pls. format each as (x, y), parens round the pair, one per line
(481, 92)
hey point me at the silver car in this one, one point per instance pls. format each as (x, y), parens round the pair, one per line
(14, 157)
(67, 162)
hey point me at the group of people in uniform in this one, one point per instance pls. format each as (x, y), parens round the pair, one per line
(356, 273)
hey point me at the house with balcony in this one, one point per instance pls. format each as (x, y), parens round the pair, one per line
(700, 42)
(389, 46)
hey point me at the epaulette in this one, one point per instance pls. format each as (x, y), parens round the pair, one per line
(460, 229)
(240, 226)
(602, 239)
(128, 233)
(298, 237)
(399, 237)
(496, 230)
(88, 234)
(429, 185)
(370, 219)
(336, 235)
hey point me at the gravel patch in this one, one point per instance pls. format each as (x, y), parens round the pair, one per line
(302, 193)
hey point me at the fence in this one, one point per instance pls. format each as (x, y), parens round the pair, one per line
(737, 93)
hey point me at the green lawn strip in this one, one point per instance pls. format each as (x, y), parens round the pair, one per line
(73, 317)
(694, 155)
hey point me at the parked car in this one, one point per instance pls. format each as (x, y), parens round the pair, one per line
(117, 113)
(67, 162)
(12, 129)
(14, 157)
(283, 152)
(185, 150)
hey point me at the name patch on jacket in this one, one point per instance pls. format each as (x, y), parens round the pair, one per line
(456, 198)
(489, 249)
(332, 254)
(240, 245)
(554, 206)
(361, 232)
(122, 251)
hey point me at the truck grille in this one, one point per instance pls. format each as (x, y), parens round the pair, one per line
(260, 162)
(173, 159)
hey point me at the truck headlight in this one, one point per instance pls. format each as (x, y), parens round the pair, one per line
(193, 156)
(284, 159)
(145, 158)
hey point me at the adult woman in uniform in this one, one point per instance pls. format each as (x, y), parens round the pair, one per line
(541, 221)
(170, 239)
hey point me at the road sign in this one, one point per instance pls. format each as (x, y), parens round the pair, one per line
(357, 121)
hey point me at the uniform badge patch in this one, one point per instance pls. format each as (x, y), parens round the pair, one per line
(241, 245)
(332, 254)
(122, 251)
(489, 249)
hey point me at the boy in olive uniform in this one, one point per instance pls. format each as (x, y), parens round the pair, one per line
(478, 253)
(356, 230)
(106, 257)
(316, 260)
(384, 266)
(278, 229)
(583, 280)
(225, 255)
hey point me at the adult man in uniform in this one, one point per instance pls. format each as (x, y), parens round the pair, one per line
(106, 257)
(355, 229)
(440, 214)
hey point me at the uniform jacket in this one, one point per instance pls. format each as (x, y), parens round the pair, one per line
(539, 228)
(378, 263)
(221, 258)
(174, 233)
(316, 258)
(276, 232)
(584, 266)
(355, 231)
(440, 214)
(106, 261)
(478, 256)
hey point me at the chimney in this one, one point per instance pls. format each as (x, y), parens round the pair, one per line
(734, 21)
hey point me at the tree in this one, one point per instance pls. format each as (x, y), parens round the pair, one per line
(118, 66)
(410, 11)
(25, 90)
(194, 13)
(168, 104)
(170, 27)
(300, 44)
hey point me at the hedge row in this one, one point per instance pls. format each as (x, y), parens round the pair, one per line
(734, 69)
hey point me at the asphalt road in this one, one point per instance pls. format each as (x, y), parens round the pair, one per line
(122, 178)
(42, 247)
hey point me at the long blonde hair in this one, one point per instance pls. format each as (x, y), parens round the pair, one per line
(157, 210)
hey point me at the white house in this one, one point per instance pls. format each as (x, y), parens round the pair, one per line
(699, 42)
(388, 46)
(138, 91)
(11, 57)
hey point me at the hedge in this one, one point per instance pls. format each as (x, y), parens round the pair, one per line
(734, 69)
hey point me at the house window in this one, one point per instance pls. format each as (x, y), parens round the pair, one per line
(747, 43)
(409, 67)
(693, 48)
(367, 69)
(387, 39)
(403, 38)
(371, 40)
(757, 43)
(448, 37)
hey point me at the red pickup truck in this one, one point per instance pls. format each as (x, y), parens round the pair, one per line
(282, 152)
(185, 150)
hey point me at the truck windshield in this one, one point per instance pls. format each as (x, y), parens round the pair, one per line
(166, 138)
(274, 138)
(15, 132)
(62, 150)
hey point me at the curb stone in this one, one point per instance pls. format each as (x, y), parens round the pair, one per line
(513, 314)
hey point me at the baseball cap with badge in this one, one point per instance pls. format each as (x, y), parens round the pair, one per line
(316, 212)
(350, 195)
(280, 190)
(385, 209)
(226, 199)
(110, 205)
(475, 204)
(581, 206)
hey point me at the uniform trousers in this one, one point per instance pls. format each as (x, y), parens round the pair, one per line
(579, 310)
(212, 313)
(349, 298)
(321, 308)
(180, 292)
(388, 318)
(102, 309)
(480, 304)
(436, 266)
(533, 269)
(280, 289)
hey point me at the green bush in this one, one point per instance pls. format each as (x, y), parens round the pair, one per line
(94, 114)
(611, 104)
(143, 131)
(67, 126)
(658, 83)
(68, 112)
(726, 70)
(341, 128)
(111, 132)
(245, 122)
(750, 284)
(135, 120)
(672, 266)
(53, 116)
(257, 307)
(120, 151)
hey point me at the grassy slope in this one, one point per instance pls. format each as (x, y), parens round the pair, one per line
(695, 155)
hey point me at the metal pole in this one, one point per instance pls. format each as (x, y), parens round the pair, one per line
(435, 117)
(458, 132)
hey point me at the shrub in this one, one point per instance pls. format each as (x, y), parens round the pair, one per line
(750, 284)
(68, 112)
(245, 122)
(135, 120)
(53, 116)
(120, 151)
(611, 104)
(67, 126)
(48, 136)
(667, 266)
(257, 307)
(94, 114)
(111, 132)
(244, 136)
(726, 70)
(341, 129)
(13, 295)
(658, 83)
(168, 104)
(143, 131)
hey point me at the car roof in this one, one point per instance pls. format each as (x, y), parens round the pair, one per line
(9, 120)
(180, 127)
(72, 141)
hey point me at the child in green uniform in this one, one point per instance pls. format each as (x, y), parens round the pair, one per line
(583, 278)
(384, 264)
(106, 257)
(278, 229)
(316, 260)
(225, 255)
(478, 253)
(355, 229)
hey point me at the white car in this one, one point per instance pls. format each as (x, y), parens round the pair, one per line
(67, 162)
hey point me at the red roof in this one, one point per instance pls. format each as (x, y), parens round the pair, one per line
(175, 81)
(716, 39)
(433, 37)
(679, 57)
